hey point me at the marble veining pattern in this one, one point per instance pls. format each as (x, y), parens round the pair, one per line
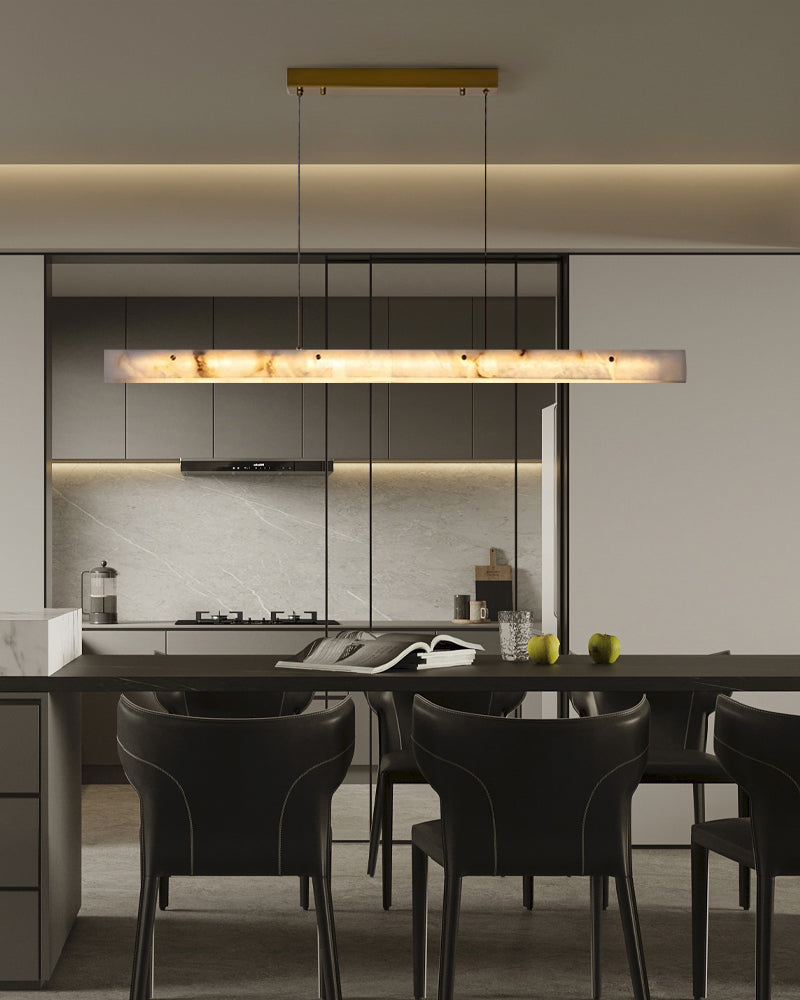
(257, 544)
(39, 642)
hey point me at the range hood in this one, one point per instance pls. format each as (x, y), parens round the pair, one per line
(253, 466)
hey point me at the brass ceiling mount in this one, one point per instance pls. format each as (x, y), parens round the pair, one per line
(353, 80)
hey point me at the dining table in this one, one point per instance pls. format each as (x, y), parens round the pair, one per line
(572, 672)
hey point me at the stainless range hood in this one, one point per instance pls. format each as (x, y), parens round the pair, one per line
(253, 466)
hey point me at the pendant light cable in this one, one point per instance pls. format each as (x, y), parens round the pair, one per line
(299, 300)
(485, 221)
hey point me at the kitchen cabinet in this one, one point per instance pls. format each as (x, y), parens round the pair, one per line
(235, 641)
(430, 422)
(169, 421)
(88, 415)
(40, 875)
(347, 326)
(258, 421)
(494, 407)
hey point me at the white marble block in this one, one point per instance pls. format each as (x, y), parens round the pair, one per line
(38, 642)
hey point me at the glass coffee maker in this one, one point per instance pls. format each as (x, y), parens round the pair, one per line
(99, 595)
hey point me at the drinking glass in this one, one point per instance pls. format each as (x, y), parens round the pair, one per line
(516, 627)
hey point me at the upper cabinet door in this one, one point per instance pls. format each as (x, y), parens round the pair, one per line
(494, 406)
(169, 421)
(88, 414)
(348, 406)
(430, 422)
(257, 421)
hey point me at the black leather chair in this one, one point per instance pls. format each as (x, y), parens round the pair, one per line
(761, 753)
(519, 796)
(235, 705)
(678, 734)
(234, 796)
(398, 767)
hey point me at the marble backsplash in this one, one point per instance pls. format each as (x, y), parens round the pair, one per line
(257, 543)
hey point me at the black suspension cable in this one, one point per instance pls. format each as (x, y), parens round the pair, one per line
(485, 220)
(299, 301)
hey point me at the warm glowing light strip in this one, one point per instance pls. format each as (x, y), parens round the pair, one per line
(395, 366)
(380, 80)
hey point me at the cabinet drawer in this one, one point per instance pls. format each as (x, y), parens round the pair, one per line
(19, 842)
(267, 642)
(19, 932)
(19, 747)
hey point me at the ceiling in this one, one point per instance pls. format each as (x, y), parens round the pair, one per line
(581, 81)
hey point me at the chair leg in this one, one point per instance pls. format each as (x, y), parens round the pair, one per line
(447, 959)
(527, 891)
(744, 871)
(323, 904)
(163, 892)
(765, 900)
(699, 921)
(419, 919)
(633, 936)
(596, 898)
(141, 977)
(699, 794)
(386, 845)
(304, 897)
(375, 826)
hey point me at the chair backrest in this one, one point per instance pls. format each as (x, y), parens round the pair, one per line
(393, 709)
(533, 796)
(761, 752)
(234, 704)
(678, 720)
(234, 796)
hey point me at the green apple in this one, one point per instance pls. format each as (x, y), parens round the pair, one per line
(603, 648)
(543, 648)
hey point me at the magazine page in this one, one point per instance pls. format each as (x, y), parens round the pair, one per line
(453, 642)
(382, 652)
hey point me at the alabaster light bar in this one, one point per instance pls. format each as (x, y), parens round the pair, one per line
(451, 367)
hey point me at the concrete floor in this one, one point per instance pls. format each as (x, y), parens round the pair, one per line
(243, 938)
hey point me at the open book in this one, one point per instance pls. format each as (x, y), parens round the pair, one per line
(360, 652)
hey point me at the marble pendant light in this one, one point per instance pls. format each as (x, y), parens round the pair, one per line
(393, 366)
(447, 366)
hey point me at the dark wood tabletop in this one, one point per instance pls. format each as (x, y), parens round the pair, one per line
(665, 672)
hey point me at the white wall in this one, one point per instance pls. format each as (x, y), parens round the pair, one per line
(22, 445)
(684, 499)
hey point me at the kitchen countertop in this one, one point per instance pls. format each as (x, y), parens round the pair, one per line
(299, 626)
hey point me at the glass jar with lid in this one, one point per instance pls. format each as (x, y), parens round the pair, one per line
(99, 595)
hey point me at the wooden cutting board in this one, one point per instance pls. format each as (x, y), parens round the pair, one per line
(494, 584)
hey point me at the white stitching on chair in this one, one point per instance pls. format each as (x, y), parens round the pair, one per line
(397, 720)
(472, 774)
(183, 793)
(766, 763)
(308, 770)
(688, 720)
(591, 796)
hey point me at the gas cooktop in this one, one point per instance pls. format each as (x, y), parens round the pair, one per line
(237, 618)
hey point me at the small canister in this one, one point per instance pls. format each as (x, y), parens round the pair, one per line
(99, 595)
(461, 607)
